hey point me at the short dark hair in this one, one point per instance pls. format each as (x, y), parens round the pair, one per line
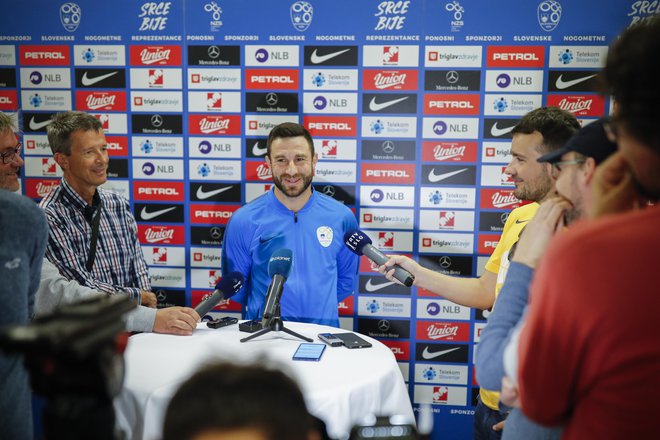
(63, 124)
(287, 130)
(223, 396)
(555, 125)
(632, 75)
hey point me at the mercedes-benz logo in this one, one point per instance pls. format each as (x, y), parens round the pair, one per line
(383, 325)
(161, 296)
(504, 217)
(271, 98)
(328, 190)
(444, 261)
(388, 146)
(156, 120)
(452, 76)
(213, 51)
(215, 233)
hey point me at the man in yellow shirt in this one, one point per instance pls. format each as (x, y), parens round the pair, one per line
(539, 132)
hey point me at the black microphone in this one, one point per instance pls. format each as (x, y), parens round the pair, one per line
(279, 267)
(227, 287)
(358, 242)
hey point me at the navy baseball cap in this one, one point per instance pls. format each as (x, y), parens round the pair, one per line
(591, 141)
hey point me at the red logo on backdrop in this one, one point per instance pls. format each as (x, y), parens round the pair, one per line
(446, 104)
(423, 292)
(48, 166)
(271, 79)
(158, 191)
(200, 295)
(499, 199)
(515, 56)
(579, 105)
(386, 240)
(447, 219)
(105, 120)
(114, 101)
(346, 306)
(257, 171)
(401, 350)
(331, 125)
(488, 243)
(505, 178)
(159, 255)
(214, 277)
(454, 151)
(443, 331)
(117, 145)
(203, 124)
(440, 394)
(39, 188)
(157, 234)
(214, 101)
(56, 55)
(391, 55)
(8, 100)
(215, 214)
(384, 173)
(155, 55)
(366, 265)
(427, 242)
(329, 149)
(367, 217)
(389, 80)
(156, 77)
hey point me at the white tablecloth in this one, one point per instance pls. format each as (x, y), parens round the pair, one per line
(343, 388)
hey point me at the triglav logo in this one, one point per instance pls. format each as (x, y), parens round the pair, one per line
(70, 14)
(548, 13)
(301, 15)
(455, 7)
(215, 11)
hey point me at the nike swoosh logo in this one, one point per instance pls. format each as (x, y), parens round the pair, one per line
(149, 215)
(258, 151)
(371, 287)
(426, 354)
(318, 59)
(497, 132)
(521, 221)
(561, 84)
(202, 195)
(438, 177)
(34, 125)
(375, 107)
(87, 81)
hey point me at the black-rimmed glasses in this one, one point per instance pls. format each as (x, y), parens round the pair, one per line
(9, 155)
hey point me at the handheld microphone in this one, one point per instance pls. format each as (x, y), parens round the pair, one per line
(358, 242)
(279, 267)
(227, 287)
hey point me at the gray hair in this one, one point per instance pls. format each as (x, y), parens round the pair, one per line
(63, 124)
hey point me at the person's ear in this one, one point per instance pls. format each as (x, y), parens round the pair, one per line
(62, 160)
(588, 170)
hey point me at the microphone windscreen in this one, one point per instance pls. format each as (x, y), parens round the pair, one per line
(280, 263)
(230, 284)
(356, 240)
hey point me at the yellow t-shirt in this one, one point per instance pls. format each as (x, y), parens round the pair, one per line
(499, 263)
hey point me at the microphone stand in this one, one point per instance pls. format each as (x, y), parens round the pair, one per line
(276, 325)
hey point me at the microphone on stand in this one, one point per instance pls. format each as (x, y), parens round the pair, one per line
(358, 242)
(227, 287)
(279, 267)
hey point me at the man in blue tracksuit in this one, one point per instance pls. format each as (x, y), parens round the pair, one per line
(293, 216)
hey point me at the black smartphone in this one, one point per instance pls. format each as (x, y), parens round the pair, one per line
(221, 322)
(351, 340)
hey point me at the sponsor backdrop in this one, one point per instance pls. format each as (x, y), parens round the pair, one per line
(411, 104)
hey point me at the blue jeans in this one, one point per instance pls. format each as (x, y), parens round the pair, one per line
(519, 427)
(484, 419)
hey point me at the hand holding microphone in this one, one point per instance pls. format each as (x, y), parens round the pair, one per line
(358, 242)
(227, 287)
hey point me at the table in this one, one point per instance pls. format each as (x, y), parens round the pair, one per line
(343, 388)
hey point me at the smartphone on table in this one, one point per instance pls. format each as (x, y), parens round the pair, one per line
(309, 352)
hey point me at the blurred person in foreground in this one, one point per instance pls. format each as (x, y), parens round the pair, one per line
(239, 402)
(589, 355)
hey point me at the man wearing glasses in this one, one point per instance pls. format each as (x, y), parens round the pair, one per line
(574, 166)
(293, 216)
(9, 152)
